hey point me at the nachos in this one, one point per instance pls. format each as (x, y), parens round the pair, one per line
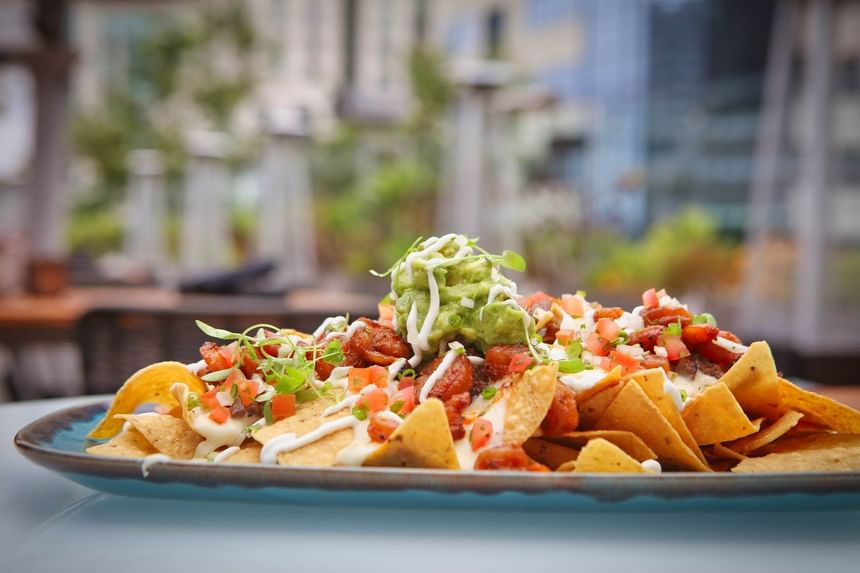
(460, 371)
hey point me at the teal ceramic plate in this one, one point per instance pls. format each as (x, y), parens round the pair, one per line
(57, 442)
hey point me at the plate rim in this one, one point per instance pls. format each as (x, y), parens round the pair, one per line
(30, 439)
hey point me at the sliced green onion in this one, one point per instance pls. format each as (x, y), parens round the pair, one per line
(488, 393)
(360, 412)
(574, 349)
(267, 412)
(455, 320)
(705, 318)
(396, 406)
(409, 372)
(217, 376)
(674, 329)
(571, 365)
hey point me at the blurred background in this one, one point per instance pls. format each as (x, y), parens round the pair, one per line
(241, 162)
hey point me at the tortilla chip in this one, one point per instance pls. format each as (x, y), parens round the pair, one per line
(828, 460)
(591, 408)
(776, 430)
(170, 436)
(612, 378)
(308, 417)
(602, 456)
(653, 382)
(150, 385)
(627, 441)
(550, 454)
(812, 441)
(715, 416)
(754, 382)
(567, 466)
(633, 411)
(721, 451)
(423, 440)
(819, 409)
(128, 444)
(528, 402)
(248, 454)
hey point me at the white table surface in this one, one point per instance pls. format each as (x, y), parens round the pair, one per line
(48, 524)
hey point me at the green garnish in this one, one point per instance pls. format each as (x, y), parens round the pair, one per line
(705, 318)
(217, 376)
(267, 412)
(674, 329)
(333, 353)
(581, 293)
(574, 349)
(488, 392)
(683, 395)
(360, 412)
(396, 406)
(455, 320)
(192, 401)
(571, 365)
(409, 372)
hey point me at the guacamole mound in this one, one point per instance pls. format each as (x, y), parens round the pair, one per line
(469, 279)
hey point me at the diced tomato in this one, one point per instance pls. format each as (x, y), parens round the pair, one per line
(696, 334)
(498, 358)
(718, 355)
(379, 376)
(603, 362)
(650, 299)
(675, 347)
(628, 363)
(247, 364)
(564, 337)
(407, 398)
(612, 312)
(520, 362)
(215, 361)
(573, 304)
(654, 361)
(219, 414)
(379, 428)
(374, 401)
(283, 405)
(208, 399)
(247, 392)
(482, 431)
(228, 352)
(270, 349)
(406, 382)
(597, 345)
(536, 300)
(235, 377)
(607, 328)
(358, 378)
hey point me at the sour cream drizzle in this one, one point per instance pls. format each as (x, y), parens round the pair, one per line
(222, 456)
(423, 339)
(450, 356)
(435, 246)
(289, 442)
(151, 460)
(326, 323)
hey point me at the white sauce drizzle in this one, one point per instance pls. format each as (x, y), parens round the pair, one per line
(395, 367)
(423, 339)
(222, 456)
(446, 363)
(196, 367)
(326, 323)
(289, 442)
(584, 380)
(390, 416)
(673, 392)
(731, 346)
(435, 246)
(151, 460)
(476, 360)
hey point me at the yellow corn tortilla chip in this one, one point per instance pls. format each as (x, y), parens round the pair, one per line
(633, 411)
(150, 385)
(308, 417)
(653, 382)
(819, 409)
(423, 440)
(792, 442)
(592, 407)
(721, 451)
(754, 382)
(715, 416)
(762, 438)
(550, 454)
(567, 466)
(602, 456)
(827, 460)
(528, 402)
(170, 436)
(128, 444)
(627, 441)
(248, 454)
